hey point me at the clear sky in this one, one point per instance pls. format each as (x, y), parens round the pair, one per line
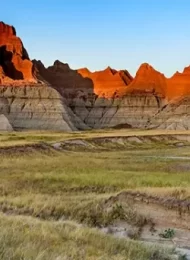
(97, 33)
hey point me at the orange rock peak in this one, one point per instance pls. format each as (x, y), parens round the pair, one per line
(14, 59)
(7, 29)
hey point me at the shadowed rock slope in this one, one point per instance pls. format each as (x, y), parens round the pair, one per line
(108, 82)
(70, 83)
(60, 98)
(150, 100)
(26, 103)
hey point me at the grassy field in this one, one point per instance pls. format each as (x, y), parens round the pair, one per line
(44, 195)
(29, 238)
(21, 138)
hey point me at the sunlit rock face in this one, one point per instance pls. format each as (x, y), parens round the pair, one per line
(179, 85)
(148, 80)
(26, 102)
(60, 98)
(113, 98)
(67, 81)
(14, 60)
(109, 82)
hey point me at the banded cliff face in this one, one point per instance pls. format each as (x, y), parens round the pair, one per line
(35, 107)
(150, 100)
(24, 103)
(60, 98)
(106, 83)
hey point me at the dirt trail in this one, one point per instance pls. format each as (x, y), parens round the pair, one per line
(162, 214)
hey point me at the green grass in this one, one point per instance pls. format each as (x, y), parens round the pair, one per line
(85, 176)
(48, 188)
(32, 239)
(28, 137)
(98, 172)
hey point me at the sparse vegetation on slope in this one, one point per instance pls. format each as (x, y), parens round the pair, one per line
(29, 238)
(49, 188)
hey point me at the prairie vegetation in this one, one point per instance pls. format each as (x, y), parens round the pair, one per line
(53, 202)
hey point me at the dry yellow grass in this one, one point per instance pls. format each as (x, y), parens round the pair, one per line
(28, 137)
(31, 239)
(47, 188)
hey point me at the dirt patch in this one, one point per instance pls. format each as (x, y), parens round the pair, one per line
(95, 144)
(25, 149)
(181, 206)
(168, 221)
(122, 126)
(77, 144)
(180, 167)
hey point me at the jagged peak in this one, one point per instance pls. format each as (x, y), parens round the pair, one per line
(147, 69)
(177, 73)
(126, 73)
(38, 62)
(146, 66)
(186, 70)
(15, 61)
(59, 64)
(7, 29)
(85, 70)
(109, 70)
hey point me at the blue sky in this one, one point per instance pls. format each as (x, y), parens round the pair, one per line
(97, 33)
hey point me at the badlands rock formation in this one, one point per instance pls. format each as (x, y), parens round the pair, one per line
(35, 107)
(24, 103)
(70, 82)
(67, 81)
(148, 80)
(150, 100)
(179, 85)
(14, 60)
(60, 98)
(108, 82)
(5, 124)
(88, 94)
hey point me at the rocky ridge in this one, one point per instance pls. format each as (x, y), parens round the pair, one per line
(25, 102)
(60, 98)
(150, 100)
(14, 59)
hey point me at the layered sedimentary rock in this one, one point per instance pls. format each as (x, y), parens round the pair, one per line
(133, 110)
(24, 103)
(150, 100)
(35, 107)
(141, 99)
(5, 124)
(67, 81)
(60, 98)
(105, 83)
(87, 94)
(174, 116)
